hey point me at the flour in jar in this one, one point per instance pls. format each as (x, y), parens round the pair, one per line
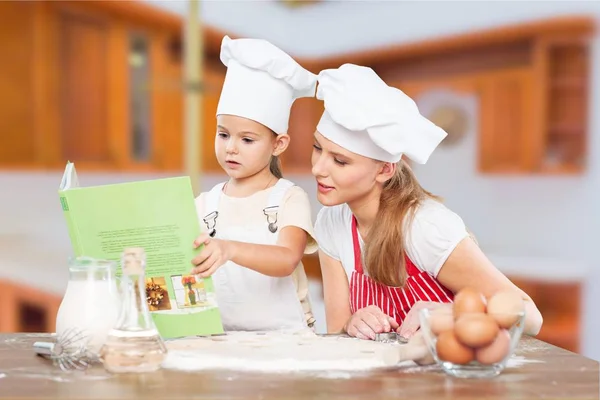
(279, 352)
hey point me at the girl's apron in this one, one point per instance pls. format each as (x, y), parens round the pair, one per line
(393, 301)
(249, 300)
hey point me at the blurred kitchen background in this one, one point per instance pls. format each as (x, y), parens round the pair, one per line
(515, 84)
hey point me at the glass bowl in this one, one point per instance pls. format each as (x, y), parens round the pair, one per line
(445, 337)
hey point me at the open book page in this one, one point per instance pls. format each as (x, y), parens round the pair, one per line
(69, 179)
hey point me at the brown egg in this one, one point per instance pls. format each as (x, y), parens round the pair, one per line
(441, 319)
(476, 330)
(449, 349)
(468, 301)
(496, 351)
(505, 308)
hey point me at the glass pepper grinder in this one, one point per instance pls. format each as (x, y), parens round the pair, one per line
(134, 344)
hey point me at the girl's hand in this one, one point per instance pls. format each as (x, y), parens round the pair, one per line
(215, 253)
(368, 321)
(411, 323)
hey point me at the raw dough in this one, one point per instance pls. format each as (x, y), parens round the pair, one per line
(279, 352)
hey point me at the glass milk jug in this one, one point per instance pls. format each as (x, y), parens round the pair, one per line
(91, 304)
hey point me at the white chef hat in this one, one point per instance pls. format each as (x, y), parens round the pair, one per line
(262, 82)
(367, 117)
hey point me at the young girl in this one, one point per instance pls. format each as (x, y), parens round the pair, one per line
(385, 243)
(258, 225)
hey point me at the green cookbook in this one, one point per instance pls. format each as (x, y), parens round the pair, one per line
(158, 215)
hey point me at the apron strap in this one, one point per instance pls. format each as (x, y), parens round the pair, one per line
(274, 201)
(211, 210)
(358, 267)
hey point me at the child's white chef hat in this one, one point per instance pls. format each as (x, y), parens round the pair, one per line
(367, 117)
(262, 82)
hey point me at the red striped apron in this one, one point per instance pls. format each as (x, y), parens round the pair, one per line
(393, 301)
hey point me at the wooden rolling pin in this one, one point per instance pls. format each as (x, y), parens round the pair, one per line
(415, 350)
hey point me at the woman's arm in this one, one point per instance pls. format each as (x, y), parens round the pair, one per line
(336, 293)
(467, 266)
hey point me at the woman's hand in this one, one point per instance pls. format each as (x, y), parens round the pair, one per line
(215, 253)
(411, 323)
(368, 321)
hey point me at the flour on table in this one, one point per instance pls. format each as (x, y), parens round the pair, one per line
(280, 352)
(517, 361)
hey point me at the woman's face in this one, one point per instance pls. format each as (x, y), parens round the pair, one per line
(342, 176)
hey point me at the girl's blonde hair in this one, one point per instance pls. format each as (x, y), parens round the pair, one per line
(275, 167)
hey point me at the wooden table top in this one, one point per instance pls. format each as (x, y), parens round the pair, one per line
(538, 370)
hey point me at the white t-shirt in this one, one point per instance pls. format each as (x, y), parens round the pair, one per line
(294, 210)
(430, 239)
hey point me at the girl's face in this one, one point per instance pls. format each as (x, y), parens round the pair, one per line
(244, 147)
(343, 176)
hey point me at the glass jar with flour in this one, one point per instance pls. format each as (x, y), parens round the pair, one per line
(91, 304)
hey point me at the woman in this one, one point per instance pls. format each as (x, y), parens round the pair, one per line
(386, 243)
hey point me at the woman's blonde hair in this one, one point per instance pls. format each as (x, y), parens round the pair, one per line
(385, 247)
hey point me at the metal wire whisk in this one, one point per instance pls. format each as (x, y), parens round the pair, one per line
(69, 352)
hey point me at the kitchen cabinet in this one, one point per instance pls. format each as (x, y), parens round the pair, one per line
(532, 87)
(560, 303)
(27, 309)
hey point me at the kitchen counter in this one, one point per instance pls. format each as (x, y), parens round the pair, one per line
(541, 371)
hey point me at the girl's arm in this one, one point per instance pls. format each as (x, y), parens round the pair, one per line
(295, 222)
(467, 266)
(273, 260)
(336, 293)
(278, 260)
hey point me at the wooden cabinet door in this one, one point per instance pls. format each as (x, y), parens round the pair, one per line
(84, 90)
(506, 121)
(562, 314)
(304, 117)
(210, 101)
(213, 82)
(17, 140)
